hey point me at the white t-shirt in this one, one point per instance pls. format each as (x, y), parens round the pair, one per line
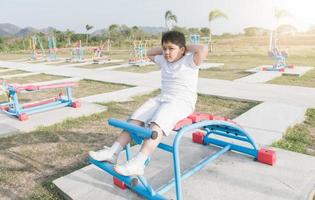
(178, 79)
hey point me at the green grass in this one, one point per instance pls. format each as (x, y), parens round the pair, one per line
(301, 137)
(234, 66)
(34, 78)
(12, 72)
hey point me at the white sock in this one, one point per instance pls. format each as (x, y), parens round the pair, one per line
(140, 158)
(116, 148)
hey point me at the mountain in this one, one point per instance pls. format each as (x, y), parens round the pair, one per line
(146, 29)
(25, 32)
(48, 30)
(7, 29)
(98, 32)
(152, 30)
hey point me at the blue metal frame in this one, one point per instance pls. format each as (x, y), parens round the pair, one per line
(212, 128)
(16, 109)
(280, 59)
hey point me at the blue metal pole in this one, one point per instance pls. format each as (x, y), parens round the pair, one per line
(129, 127)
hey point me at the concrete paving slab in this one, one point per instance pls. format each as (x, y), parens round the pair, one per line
(292, 95)
(267, 121)
(207, 65)
(119, 95)
(259, 77)
(75, 64)
(114, 66)
(232, 176)
(11, 125)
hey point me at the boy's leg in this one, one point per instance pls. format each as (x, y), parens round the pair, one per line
(137, 164)
(124, 138)
(150, 145)
(111, 154)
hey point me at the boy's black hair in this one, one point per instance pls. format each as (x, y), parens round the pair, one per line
(174, 37)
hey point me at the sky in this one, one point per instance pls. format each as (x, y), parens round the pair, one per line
(75, 14)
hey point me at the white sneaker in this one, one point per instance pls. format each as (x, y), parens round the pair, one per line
(130, 168)
(104, 155)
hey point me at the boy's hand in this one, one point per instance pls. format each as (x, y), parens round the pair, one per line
(154, 52)
(200, 52)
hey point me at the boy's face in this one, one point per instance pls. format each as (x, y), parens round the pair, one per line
(172, 52)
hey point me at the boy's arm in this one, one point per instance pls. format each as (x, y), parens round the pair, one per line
(154, 52)
(200, 52)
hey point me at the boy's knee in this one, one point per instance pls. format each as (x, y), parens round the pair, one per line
(155, 127)
(137, 122)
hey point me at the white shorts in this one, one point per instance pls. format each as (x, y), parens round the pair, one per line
(164, 113)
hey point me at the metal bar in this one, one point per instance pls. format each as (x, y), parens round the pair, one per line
(229, 136)
(245, 150)
(60, 105)
(166, 147)
(129, 127)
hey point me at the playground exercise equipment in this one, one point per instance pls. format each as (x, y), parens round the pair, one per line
(195, 39)
(52, 51)
(138, 53)
(278, 56)
(77, 53)
(99, 57)
(36, 42)
(208, 130)
(21, 111)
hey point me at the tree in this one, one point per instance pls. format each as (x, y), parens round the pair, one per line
(112, 29)
(87, 27)
(170, 20)
(125, 31)
(279, 14)
(213, 15)
(135, 31)
(254, 31)
(69, 35)
(204, 31)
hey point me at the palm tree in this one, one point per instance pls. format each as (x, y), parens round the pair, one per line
(87, 27)
(170, 20)
(279, 14)
(214, 14)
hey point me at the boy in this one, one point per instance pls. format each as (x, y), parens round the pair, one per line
(179, 77)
